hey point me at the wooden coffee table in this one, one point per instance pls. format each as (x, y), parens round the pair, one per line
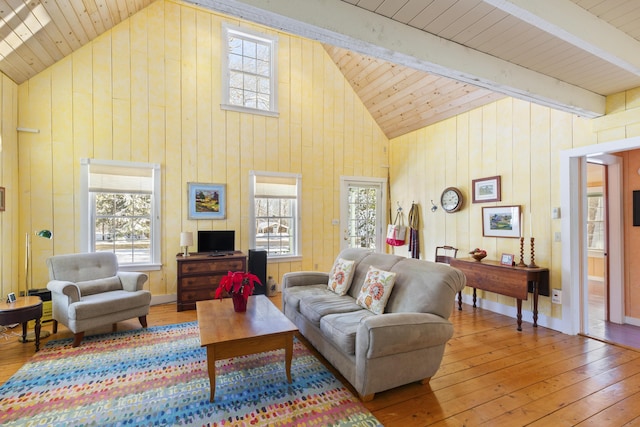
(226, 334)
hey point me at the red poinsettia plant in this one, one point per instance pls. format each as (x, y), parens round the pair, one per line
(239, 283)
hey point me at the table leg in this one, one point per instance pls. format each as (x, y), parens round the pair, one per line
(535, 304)
(519, 314)
(474, 297)
(288, 350)
(460, 300)
(211, 367)
(37, 333)
(24, 332)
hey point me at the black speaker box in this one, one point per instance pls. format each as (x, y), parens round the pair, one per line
(258, 266)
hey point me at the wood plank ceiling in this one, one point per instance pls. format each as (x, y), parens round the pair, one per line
(412, 62)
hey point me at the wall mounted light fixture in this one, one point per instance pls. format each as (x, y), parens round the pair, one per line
(434, 207)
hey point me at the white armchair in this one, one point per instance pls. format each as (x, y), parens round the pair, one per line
(88, 291)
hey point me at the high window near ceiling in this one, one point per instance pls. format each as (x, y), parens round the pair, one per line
(120, 211)
(275, 213)
(249, 71)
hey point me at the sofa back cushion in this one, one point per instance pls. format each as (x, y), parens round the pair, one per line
(82, 267)
(381, 261)
(425, 287)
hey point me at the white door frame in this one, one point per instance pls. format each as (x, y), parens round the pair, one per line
(573, 227)
(381, 183)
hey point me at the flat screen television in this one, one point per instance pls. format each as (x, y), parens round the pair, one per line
(216, 241)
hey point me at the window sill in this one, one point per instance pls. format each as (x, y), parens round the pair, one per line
(288, 258)
(139, 267)
(242, 109)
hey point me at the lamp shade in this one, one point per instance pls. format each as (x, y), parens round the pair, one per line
(186, 238)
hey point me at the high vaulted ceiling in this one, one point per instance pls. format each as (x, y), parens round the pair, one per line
(412, 62)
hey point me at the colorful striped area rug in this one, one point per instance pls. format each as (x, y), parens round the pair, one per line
(158, 377)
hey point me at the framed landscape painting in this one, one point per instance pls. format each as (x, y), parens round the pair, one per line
(501, 221)
(486, 189)
(207, 201)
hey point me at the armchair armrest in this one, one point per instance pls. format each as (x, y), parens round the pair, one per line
(304, 278)
(63, 287)
(393, 333)
(132, 280)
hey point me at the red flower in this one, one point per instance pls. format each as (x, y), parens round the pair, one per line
(237, 282)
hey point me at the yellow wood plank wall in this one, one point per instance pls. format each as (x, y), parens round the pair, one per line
(623, 121)
(517, 140)
(9, 234)
(149, 91)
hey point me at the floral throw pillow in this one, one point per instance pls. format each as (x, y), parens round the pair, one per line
(376, 290)
(340, 276)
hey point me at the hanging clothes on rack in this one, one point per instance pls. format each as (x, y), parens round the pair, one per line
(414, 223)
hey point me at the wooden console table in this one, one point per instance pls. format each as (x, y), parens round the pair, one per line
(199, 275)
(514, 282)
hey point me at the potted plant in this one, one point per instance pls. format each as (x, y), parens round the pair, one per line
(239, 285)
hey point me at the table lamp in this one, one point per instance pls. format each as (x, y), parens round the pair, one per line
(186, 240)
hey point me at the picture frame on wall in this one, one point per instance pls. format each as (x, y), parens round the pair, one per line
(486, 189)
(207, 201)
(501, 221)
(2, 198)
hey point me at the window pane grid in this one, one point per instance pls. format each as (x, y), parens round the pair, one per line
(250, 72)
(362, 217)
(123, 226)
(595, 222)
(274, 225)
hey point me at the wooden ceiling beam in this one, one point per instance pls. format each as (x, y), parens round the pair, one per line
(573, 24)
(332, 22)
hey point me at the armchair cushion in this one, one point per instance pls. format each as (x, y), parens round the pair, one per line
(98, 286)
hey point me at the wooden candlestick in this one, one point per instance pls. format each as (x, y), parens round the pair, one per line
(521, 263)
(533, 262)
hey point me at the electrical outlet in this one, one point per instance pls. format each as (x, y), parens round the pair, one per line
(556, 296)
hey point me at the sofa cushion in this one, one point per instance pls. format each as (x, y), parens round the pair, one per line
(376, 289)
(341, 275)
(341, 328)
(294, 294)
(108, 302)
(97, 286)
(315, 307)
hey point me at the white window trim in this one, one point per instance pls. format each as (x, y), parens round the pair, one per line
(226, 29)
(85, 211)
(298, 224)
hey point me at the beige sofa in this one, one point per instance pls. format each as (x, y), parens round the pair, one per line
(88, 291)
(377, 352)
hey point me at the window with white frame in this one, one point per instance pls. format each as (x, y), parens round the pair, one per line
(249, 71)
(275, 213)
(595, 221)
(121, 211)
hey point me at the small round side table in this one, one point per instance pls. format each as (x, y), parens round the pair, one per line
(21, 311)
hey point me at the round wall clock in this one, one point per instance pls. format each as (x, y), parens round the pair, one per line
(451, 199)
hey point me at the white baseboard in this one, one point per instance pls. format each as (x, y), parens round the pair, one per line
(527, 315)
(163, 299)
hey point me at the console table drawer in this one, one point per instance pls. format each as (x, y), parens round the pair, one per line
(212, 280)
(224, 265)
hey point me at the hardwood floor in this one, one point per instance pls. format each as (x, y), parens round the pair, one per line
(491, 374)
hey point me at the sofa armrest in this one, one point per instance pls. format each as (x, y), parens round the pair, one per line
(132, 280)
(63, 287)
(393, 333)
(304, 278)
